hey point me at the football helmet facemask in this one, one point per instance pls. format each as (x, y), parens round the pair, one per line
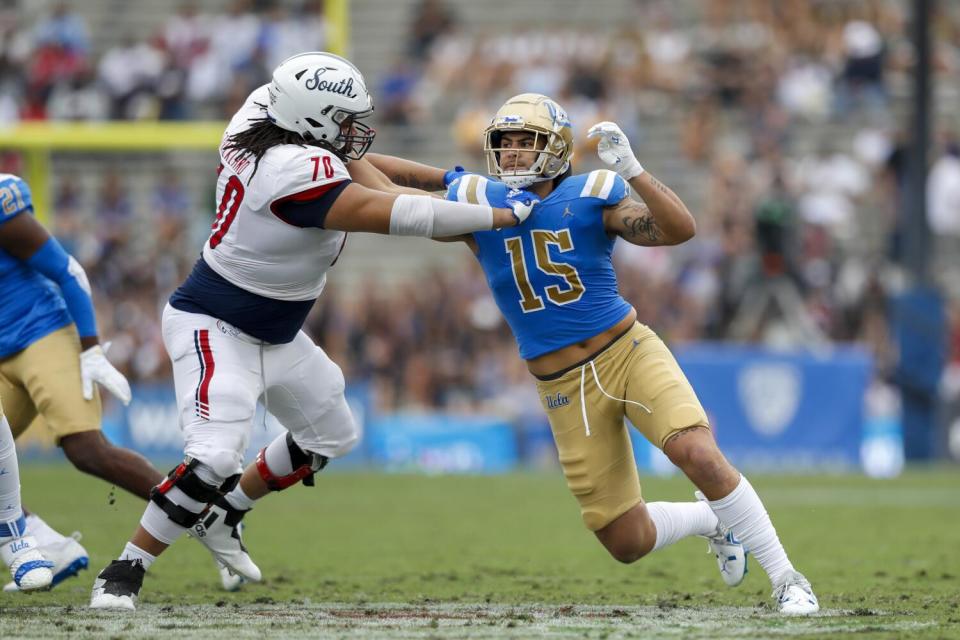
(546, 120)
(322, 97)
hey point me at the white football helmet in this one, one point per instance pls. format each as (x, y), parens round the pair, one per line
(553, 139)
(322, 97)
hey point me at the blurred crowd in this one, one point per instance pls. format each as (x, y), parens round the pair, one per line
(196, 65)
(782, 119)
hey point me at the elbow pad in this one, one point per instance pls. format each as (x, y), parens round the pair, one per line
(435, 218)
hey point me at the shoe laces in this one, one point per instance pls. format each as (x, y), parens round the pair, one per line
(76, 535)
(793, 579)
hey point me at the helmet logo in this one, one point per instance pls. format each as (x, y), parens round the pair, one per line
(557, 115)
(344, 87)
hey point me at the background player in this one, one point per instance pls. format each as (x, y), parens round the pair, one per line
(50, 359)
(233, 329)
(553, 280)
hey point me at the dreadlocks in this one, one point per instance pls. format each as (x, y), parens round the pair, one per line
(264, 134)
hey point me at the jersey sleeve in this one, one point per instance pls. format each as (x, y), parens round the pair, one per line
(15, 197)
(606, 186)
(307, 185)
(476, 189)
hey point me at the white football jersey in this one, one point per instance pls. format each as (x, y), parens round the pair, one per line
(250, 245)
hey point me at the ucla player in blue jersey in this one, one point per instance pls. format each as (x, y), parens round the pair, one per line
(50, 360)
(554, 282)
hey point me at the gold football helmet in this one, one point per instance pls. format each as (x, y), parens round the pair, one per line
(553, 139)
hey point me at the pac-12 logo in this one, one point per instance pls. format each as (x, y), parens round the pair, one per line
(770, 394)
(555, 400)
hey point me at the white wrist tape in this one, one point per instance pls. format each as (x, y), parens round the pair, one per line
(435, 218)
(630, 169)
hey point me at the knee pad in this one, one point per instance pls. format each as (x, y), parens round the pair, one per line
(185, 478)
(303, 463)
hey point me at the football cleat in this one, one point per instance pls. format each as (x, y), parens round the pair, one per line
(729, 552)
(228, 579)
(29, 568)
(220, 530)
(118, 586)
(795, 596)
(68, 558)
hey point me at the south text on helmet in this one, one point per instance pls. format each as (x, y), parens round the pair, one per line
(343, 87)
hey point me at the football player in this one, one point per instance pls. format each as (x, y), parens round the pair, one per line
(554, 282)
(285, 203)
(50, 361)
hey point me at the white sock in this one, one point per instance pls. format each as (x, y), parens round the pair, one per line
(44, 533)
(743, 513)
(677, 520)
(9, 475)
(240, 500)
(133, 552)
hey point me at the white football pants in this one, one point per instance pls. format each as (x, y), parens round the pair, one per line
(220, 373)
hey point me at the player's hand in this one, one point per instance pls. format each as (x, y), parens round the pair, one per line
(521, 203)
(614, 150)
(453, 174)
(94, 367)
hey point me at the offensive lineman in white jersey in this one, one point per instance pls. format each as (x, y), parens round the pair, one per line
(233, 328)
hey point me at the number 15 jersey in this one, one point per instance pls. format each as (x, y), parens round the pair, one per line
(552, 276)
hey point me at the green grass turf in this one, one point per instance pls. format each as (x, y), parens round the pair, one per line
(882, 555)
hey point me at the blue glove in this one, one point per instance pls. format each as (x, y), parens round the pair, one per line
(521, 203)
(452, 175)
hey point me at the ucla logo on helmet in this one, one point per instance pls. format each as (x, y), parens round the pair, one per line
(557, 114)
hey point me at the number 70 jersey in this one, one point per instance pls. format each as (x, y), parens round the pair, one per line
(552, 276)
(252, 243)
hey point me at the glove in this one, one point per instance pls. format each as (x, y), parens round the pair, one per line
(614, 150)
(453, 174)
(522, 204)
(94, 367)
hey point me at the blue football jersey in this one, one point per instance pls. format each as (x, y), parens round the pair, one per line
(552, 276)
(30, 305)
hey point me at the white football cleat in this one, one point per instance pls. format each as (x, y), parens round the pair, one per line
(68, 558)
(729, 552)
(229, 580)
(118, 586)
(29, 568)
(220, 530)
(795, 596)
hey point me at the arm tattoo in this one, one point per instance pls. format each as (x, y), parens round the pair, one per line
(411, 180)
(643, 227)
(659, 185)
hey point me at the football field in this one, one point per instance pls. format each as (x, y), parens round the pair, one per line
(394, 556)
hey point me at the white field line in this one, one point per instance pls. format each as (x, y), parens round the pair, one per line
(390, 621)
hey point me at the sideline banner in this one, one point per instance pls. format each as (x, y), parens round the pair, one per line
(771, 412)
(782, 411)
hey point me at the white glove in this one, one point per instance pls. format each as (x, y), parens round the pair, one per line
(522, 204)
(94, 367)
(614, 150)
